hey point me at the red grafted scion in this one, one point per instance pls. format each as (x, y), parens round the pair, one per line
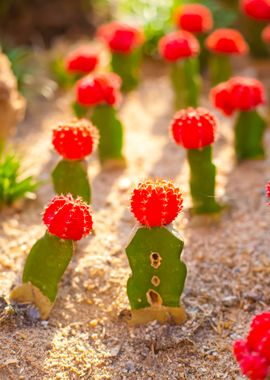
(156, 202)
(226, 41)
(178, 45)
(194, 18)
(68, 218)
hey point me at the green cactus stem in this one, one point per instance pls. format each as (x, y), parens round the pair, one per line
(158, 275)
(186, 82)
(249, 131)
(202, 181)
(70, 177)
(127, 66)
(111, 136)
(220, 68)
(44, 267)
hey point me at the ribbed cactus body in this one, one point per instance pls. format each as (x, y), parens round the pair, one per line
(44, 267)
(111, 135)
(127, 66)
(202, 180)
(249, 131)
(186, 82)
(70, 177)
(220, 68)
(158, 274)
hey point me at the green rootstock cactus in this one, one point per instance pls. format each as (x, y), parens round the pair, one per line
(194, 129)
(67, 220)
(99, 94)
(74, 141)
(243, 95)
(154, 251)
(223, 43)
(181, 50)
(124, 42)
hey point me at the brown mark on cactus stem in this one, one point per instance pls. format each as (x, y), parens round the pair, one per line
(155, 259)
(155, 280)
(153, 297)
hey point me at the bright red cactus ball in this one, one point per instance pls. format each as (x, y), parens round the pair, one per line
(220, 96)
(68, 218)
(194, 18)
(156, 202)
(178, 45)
(194, 128)
(256, 9)
(246, 93)
(226, 41)
(82, 60)
(75, 140)
(268, 190)
(120, 37)
(266, 34)
(98, 89)
(253, 354)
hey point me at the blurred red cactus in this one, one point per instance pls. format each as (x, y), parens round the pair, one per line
(120, 37)
(178, 45)
(266, 34)
(99, 89)
(68, 218)
(194, 128)
(221, 98)
(226, 41)
(256, 9)
(82, 60)
(253, 354)
(194, 18)
(75, 140)
(156, 202)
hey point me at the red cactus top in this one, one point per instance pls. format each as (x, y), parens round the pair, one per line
(253, 354)
(68, 218)
(256, 9)
(226, 41)
(239, 93)
(268, 190)
(178, 45)
(156, 202)
(193, 128)
(266, 34)
(194, 18)
(99, 89)
(75, 140)
(120, 37)
(82, 60)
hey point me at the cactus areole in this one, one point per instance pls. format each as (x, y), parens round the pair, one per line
(124, 43)
(154, 250)
(194, 129)
(181, 50)
(100, 93)
(74, 141)
(243, 95)
(67, 220)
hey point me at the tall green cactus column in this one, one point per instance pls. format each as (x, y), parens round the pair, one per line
(44, 267)
(220, 68)
(127, 66)
(249, 131)
(158, 275)
(186, 82)
(70, 177)
(202, 180)
(111, 136)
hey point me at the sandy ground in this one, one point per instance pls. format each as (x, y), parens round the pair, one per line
(228, 261)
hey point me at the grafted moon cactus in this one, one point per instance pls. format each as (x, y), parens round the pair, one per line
(244, 96)
(194, 129)
(154, 250)
(74, 141)
(97, 96)
(124, 43)
(67, 220)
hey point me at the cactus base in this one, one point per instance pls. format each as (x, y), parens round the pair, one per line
(30, 294)
(160, 313)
